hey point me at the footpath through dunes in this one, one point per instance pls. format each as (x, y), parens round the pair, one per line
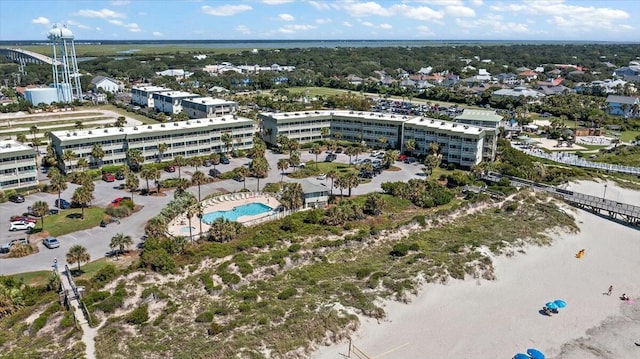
(499, 318)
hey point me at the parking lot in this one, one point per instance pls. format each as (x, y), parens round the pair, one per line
(97, 239)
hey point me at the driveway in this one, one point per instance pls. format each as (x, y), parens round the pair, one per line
(97, 239)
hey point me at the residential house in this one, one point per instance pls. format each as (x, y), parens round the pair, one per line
(520, 91)
(314, 195)
(425, 70)
(626, 106)
(107, 84)
(179, 74)
(507, 78)
(528, 75)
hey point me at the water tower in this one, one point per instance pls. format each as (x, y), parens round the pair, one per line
(66, 77)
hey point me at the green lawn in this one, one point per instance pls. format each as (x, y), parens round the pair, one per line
(34, 278)
(69, 220)
(141, 118)
(628, 136)
(322, 167)
(88, 270)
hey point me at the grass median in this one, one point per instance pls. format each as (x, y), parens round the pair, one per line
(70, 220)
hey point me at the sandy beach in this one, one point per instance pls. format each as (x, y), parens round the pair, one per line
(497, 319)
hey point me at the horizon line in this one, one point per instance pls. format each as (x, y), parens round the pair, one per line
(330, 40)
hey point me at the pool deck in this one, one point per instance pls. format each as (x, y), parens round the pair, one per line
(225, 203)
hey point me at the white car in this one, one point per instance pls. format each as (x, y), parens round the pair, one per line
(322, 176)
(21, 226)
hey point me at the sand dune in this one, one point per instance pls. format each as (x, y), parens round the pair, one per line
(496, 319)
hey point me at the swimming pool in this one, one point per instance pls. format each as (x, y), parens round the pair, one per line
(187, 229)
(249, 209)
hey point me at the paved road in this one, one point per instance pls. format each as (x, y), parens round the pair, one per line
(97, 239)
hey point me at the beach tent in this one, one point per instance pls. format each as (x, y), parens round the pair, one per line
(521, 356)
(551, 305)
(560, 303)
(535, 354)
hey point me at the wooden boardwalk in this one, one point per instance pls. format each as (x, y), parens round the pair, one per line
(615, 210)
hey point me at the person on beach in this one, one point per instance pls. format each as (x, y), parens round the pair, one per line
(610, 290)
(624, 296)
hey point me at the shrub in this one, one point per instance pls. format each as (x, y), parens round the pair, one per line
(139, 315)
(271, 188)
(127, 203)
(399, 250)
(105, 275)
(158, 260)
(208, 283)
(294, 247)
(20, 250)
(120, 211)
(229, 278)
(94, 297)
(205, 317)
(67, 320)
(451, 166)
(112, 169)
(110, 304)
(363, 272)
(215, 329)
(287, 293)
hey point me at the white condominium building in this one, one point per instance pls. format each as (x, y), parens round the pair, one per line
(461, 144)
(143, 95)
(17, 166)
(187, 138)
(484, 118)
(170, 101)
(206, 107)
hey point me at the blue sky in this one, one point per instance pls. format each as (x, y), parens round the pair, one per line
(607, 20)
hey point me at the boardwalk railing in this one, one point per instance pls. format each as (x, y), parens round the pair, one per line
(574, 160)
(613, 209)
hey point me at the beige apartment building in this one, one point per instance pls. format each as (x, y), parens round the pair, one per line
(18, 167)
(206, 107)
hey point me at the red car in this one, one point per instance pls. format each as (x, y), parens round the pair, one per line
(170, 168)
(23, 219)
(401, 158)
(116, 202)
(108, 177)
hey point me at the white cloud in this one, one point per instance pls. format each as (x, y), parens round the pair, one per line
(423, 13)
(133, 27)
(243, 29)
(443, 2)
(424, 30)
(290, 29)
(119, 2)
(347, 24)
(320, 5)
(142, 13)
(78, 25)
(41, 20)
(286, 17)
(98, 28)
(460, 11)
(323, 21)
(367, 23)
(102, 14)
(225, 10)
(493, 24)
(477, 2)
(157, 33)
(362, 9)
(386, 26)
(276, 2)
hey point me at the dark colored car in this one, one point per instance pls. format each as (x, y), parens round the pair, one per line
(238, 178)
(108, 177)
(119, 176)
(16, 198)
(224, 160)
(62, 203)
(410, 160)
(170, 168)
(339, 150)
(330, 157)
(214, 172)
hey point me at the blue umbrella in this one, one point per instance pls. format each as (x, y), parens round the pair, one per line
(521, 356)
(560, 303)
(535, 354)
(551, 305)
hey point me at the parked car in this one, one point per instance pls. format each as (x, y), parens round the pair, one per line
(375, 153)
(214, 172)
(51, 242)
(170, 168)
(357, 161)
(108, 177)
(224, 160)
(330, 157)
(401, 158)
(54, 211)
(116, 202)
(16, 198)
(7, 247)
(410, 160)
(339, 150)
(238, 178)
(322, 176)
(365, 174)
(22, 219)
(207, 163)
(62, 203)
(119, 176)
(21, 226)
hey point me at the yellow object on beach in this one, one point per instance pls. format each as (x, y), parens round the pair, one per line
(579, 255)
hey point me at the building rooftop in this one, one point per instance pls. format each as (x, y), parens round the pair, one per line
(479, 115)
(310, 187)
(341, 113)
(7, 146)
(159, 127)
(209, 101)
(176, 94)
(151, 88)
(445, 125)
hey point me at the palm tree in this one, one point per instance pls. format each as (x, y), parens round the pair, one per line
(78, 254)
(135, 157)
(156, 227)
(21, 137)
(373, 204)
(333, 174)
(199, 213)
(132, 182)
(390, 156)
(324, 132)
(120, 241)
(156, 177)
(58, 183)
(337, 136)
(411, 145)
(179, 161)
(198, 178)
(191, 211)
(33, 130)
(222, 230)
(292, 196)
(69, 155)
(260, 169)
(227, 139)
(294, 159)
(147, 174)
(350, 151)
(382, 140)
(97, 153)
(351, 181)
(283, 164)
(242, 172)
(316, 150)
(120, 121)
(82, 196)
(215, 159)
(40, 209)
(196, 162)
(79, 125)
(434, 148)
(82, 164)
(162, 148)
(430, 162)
